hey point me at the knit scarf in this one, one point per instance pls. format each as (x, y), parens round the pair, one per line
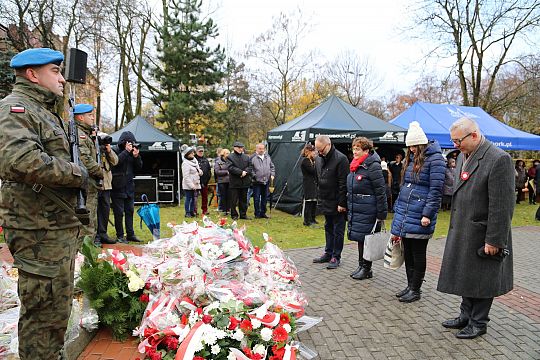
(357, 162)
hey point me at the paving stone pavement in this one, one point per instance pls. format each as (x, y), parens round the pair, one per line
(364, 320)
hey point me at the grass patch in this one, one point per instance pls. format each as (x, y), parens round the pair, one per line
(288, 232)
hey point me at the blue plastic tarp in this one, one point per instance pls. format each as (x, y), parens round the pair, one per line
(436, 119)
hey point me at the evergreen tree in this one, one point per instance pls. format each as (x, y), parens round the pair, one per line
(7, 75)
(189, 69)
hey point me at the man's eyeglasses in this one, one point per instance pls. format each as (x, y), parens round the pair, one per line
(458, 141)
(321, 151)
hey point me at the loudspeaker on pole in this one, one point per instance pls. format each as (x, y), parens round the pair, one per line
(75, 70)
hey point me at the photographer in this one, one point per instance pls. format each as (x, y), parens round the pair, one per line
(108, 160)
(84, 115)
(123, 185)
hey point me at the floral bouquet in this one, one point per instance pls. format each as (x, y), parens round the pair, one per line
(226, 330)
(114, 289)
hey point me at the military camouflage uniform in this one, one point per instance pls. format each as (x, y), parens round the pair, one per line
(41, 235)
(88, 155)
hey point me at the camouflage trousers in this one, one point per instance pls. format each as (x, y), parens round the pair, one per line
(91, 206)
(46, 261)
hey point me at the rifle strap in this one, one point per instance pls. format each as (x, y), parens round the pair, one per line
(51, 195)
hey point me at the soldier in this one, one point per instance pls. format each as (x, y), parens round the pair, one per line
(84, 114)
(37, 197)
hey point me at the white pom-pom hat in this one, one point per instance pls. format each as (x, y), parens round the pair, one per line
(415, 135)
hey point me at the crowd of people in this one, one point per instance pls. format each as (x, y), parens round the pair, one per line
(477, 186)
(42, 185)
(238, 177)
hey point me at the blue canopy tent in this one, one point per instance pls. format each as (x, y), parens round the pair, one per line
(436, 120)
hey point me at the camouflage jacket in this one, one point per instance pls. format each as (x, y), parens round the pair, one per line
(35, 150)
(88, 155)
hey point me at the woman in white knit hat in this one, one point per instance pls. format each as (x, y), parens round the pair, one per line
(417, 206)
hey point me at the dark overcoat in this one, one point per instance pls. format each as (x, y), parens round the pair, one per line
(309, 179)
(366, 198)
(482, 208)
(236, 163)
(332, 171)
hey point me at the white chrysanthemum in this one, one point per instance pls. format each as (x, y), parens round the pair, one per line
(211, 251)
(256, 323)
(231, 247)
(238, 335)
(135, 283)
(193, 318)
(198, 346)
(259, 349)
(212, 306)
(266, 334)
(231, 356)
(287, 328)
(215, 349)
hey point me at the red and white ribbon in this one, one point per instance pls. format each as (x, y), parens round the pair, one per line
(186, 350)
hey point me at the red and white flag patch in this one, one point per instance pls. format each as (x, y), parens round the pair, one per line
(17, 109)
(82, 136)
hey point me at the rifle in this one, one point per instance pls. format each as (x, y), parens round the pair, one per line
(98, 152)
(76, 73)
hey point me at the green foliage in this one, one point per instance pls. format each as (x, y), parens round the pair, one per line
(107, 289)
(189, 69)
(7, 76)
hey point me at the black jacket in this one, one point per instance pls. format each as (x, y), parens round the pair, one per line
(332, 171)
(204, 164)
(124, 172)
(309, 180)
(236, 163)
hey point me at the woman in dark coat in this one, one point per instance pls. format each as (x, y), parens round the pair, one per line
(417, 206)
(309, 182)
(521, 179)
(448, 187)
(222, 177)
(366, 200)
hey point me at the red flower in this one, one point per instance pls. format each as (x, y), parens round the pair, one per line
(156, 356)
(207, 319)
(184, 320)
(247, 351)
(172, 344)
(278, 351)
(256, 356)
(246, 325)
(222, 221)
(149, 332)
(280, 334)
(284, 319)
(144, 298)
(147, 286)
(199, 311)
(233, 323)
(198, 358)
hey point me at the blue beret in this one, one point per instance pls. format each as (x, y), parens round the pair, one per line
(36, 57)
(82, 109)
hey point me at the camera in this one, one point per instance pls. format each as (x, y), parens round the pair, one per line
(105, 140)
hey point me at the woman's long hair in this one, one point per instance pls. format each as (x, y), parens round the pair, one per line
(418, 160)
(307, 149)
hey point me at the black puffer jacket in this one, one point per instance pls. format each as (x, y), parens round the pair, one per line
(236, 163)
(332, 171)
(124, 172)
(366, 197)
(204, 164)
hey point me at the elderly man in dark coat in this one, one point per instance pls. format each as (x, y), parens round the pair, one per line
(477, 261)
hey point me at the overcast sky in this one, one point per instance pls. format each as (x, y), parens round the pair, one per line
(370, 28)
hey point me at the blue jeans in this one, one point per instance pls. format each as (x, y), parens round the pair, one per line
(334, 230)
(260, 192)
(189, 204)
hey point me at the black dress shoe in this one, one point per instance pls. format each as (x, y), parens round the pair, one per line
(107, 240)
(457, 323)
(410, 296)
(402, 292)
(333, 264)
(323, 259)
(245, 218)
(471, 332)
(121, 240)
(363, 274)
(134, 239)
